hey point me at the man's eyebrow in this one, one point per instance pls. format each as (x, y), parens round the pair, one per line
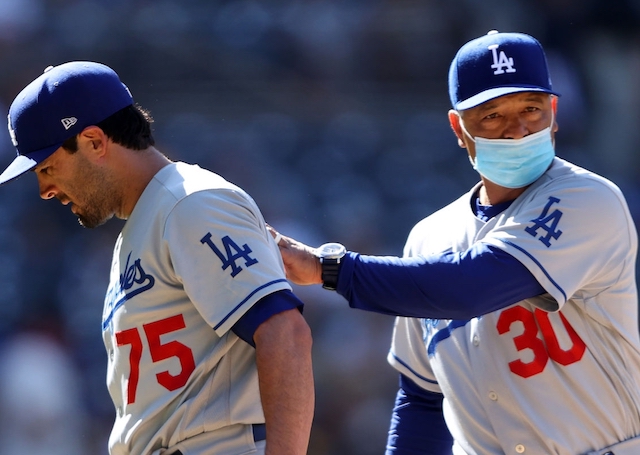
(480, 110)
(40, 165)
(540, 97)
(487, 107)
(531, 97)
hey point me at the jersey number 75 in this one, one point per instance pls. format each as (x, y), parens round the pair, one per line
(159, 351)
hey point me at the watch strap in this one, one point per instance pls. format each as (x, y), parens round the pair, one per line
(330, 270)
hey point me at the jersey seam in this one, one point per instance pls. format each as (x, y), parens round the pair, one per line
(251, 294)
(418, 375)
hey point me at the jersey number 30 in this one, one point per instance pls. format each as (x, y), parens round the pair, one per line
(542, 349)
(159, 352)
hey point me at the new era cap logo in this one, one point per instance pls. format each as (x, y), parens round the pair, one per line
(69, 122)
(501, 61)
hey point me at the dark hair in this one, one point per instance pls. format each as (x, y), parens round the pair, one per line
(129, 127)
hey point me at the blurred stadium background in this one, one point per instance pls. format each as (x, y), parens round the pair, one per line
(331, 114)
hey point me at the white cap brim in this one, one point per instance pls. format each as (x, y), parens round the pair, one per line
(492, 93)
(19, 166)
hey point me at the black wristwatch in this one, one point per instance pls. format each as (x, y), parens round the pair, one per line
(330, 255)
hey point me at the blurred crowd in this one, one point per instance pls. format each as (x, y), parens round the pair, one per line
(331, 114)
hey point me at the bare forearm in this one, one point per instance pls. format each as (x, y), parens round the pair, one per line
(283, 353)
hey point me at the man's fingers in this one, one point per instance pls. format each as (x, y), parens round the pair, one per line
(277, 238)
(276, 235)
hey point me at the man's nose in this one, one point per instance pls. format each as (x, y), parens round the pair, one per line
(516, 129)
(47, 189)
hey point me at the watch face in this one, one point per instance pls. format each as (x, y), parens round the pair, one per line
(331, 250)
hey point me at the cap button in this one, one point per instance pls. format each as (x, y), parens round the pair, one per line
(48, 68)
(492, 32)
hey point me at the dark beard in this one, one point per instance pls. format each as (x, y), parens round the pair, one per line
(96, 206)
(90, 224)
(93, 220)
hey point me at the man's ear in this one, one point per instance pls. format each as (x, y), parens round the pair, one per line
(554, 108)
(454, 121)
(93, 139)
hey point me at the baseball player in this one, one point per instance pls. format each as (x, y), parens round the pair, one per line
(208, 352)
(519, 327)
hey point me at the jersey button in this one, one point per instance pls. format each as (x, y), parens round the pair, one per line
(520, 448)
(476, 340)
(493, 396)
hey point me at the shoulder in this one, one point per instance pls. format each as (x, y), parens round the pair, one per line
(182, 179)
(569, 182)
(190, 192)
(189, 184)
(567, 197)
(568, 175)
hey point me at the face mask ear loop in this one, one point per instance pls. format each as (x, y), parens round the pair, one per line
(464, 131)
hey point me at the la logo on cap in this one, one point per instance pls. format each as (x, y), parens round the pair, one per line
(485, 68)
(501, 61)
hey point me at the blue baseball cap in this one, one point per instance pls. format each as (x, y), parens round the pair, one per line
(497, 64)
(58, 105)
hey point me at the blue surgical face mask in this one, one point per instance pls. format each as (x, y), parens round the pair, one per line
(513, 163)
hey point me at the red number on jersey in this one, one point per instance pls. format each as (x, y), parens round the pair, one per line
(159, 352)
(562, 356)
(132, 337)
(527, 340)
(542, 349)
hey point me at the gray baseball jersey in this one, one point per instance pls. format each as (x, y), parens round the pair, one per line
(192, 258)
(556, 374)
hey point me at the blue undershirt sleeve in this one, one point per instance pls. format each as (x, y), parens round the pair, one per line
(262, 310)
(417, 423)
(450, 285)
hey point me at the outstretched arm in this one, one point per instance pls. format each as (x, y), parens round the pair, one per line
(450, 285)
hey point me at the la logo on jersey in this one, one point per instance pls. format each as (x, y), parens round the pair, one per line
(548, 222)
(501, 63)
(232, 253)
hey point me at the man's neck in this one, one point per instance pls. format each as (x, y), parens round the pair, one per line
(140, 166)
(492, 194)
